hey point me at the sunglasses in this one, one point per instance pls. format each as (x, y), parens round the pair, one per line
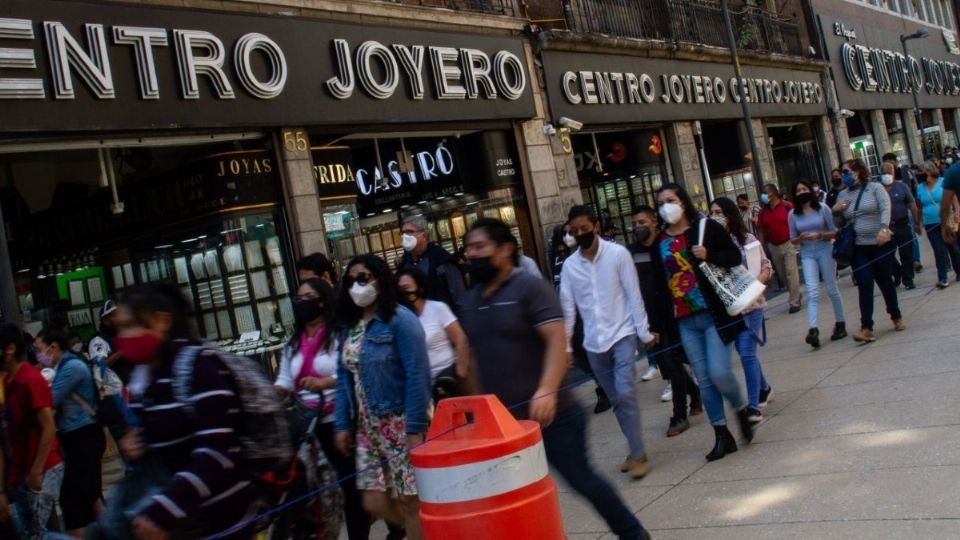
(362, 278)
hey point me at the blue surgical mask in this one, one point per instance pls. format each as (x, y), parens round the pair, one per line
(848, 179)
(764, 198)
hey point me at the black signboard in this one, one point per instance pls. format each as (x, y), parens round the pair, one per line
(869, 66)
(69, 66)
(389, 174)
(233, 180)
(613, 89)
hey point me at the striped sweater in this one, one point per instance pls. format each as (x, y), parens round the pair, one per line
(200, 447)
(872, 215)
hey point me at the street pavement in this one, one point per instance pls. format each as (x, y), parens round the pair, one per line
(859, 441)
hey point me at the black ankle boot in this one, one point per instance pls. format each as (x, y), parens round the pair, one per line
(746, 426)
(603, 402)
(725, 444)
(813, 338)
(839, 331)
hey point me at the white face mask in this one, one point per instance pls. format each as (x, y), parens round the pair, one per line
(408, 241)
(720, 219)
(886, 179)
(76, 347)
(569, 241)
(363, 295)
(949, 160)
(671, 212)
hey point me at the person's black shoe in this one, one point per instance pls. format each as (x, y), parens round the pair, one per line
(909, 285)
(645, 535)
(603, 402)
(725, 443)
(765, 396)
(677, 426)
(795, 309)
(839, 331)
(917, 267)
(813, 338)
(746, 426)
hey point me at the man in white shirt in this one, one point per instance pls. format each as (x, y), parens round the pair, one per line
(600, 281)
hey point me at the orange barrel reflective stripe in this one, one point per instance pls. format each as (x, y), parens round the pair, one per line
(483, 474)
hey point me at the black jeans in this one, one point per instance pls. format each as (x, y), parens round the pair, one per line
(875, 264)
(670, 359)
(945, 253)
(358, 521)
(903, 238)
(566, 447)
(82, 451)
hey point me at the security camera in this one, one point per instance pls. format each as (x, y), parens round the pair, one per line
(570, 123)
(548, 129)
(846, 113)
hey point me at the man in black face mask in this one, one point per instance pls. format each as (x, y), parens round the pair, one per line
(836, 186)
(668, 354)
(599, 281)
(515, 323)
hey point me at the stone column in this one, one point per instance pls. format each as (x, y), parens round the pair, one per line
(938, 116)
(685, 160)
(913, 136)
(766, 153)
(956, 126)
(828, 142)
(878, 125)
(303, 202)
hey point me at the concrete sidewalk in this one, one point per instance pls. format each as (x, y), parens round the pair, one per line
(859, 441)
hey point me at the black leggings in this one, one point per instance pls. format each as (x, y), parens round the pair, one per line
(358, 521)
(670, 359)
(82, 475)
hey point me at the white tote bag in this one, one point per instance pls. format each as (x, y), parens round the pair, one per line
(736, 287)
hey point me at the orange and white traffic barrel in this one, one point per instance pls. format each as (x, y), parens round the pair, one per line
(483, 474)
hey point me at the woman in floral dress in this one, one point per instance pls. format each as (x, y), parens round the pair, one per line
(383, 391)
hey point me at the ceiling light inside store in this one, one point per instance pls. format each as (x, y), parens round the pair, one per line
(188, 240)
(165, 246)
(387, 210)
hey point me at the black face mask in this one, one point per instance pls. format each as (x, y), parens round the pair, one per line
(108, 332)
(921, 177)
(481, 270)
(641, 234)
(837, 182)
(804, 198)
(584, 241)
(307, 311)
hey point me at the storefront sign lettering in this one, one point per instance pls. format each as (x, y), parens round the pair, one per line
(869, 69)
(244, 166)
(430, 165)
(598, 88)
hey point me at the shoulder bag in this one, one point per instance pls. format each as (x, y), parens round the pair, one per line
(846, 240)
(736, 287)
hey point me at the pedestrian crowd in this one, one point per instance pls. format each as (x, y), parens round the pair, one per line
(211, 448)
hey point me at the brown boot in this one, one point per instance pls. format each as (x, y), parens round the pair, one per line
(639, 467)
(865, 335)
(899, 325)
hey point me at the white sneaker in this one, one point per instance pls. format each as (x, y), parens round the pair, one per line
(667, 394)
(649, 373)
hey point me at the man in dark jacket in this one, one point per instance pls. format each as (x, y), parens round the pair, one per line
(444, 277)
(668, 353)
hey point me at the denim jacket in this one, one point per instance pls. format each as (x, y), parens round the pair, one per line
(73, 377)
(394, 371)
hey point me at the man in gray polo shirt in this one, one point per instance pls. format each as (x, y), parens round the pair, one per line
(515, 325)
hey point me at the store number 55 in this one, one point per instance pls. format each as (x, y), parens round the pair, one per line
(295, 141)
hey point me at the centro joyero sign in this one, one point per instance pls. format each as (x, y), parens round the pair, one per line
(140, 67)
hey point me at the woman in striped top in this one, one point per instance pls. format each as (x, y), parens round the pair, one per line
(208, 487)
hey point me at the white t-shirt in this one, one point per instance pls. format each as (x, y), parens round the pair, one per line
(435, 319)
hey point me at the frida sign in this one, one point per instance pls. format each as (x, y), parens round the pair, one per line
(119, 66)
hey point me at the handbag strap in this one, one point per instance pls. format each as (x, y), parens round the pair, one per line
(856, 206)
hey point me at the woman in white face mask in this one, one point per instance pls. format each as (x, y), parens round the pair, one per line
(706, 330)
(383, 390)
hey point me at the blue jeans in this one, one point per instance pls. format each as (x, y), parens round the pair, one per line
(817, 261)
(747, 349)
(615, 371)
(916, 244)
(709, 357)
(565, 442)
(946, 254)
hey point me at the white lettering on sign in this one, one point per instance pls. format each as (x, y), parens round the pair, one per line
(430, 165)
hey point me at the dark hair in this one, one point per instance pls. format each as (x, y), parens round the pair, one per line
(350, 313)
(861, 169)
(743, 197)
(582, 210)
(49, 336)
(815, 202)
(689, 210)
(889, 156)
(148, 299)
(837, 170)
(776, 190)
(318, 263)
(734, 222)
(416, 274)
(644, 209)
(9, 333)
(329, 311)
(499, 233)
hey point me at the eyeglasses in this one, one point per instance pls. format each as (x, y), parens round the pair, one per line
(362, 278)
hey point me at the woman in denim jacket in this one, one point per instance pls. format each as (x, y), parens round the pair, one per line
(383, 390)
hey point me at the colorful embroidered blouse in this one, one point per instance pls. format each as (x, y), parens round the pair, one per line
(678, 260)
